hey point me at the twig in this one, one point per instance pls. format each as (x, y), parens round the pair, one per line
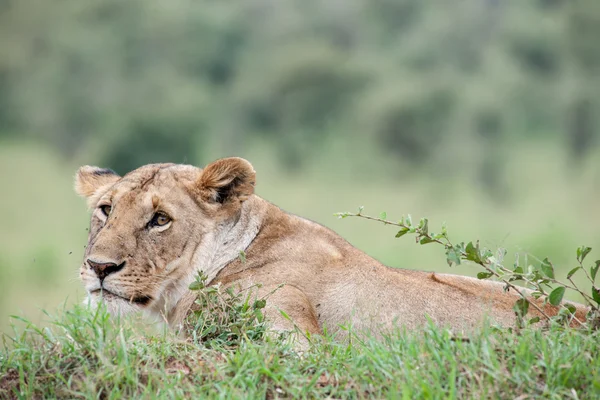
(421, 234)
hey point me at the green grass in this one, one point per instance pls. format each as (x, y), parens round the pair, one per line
(89, 355)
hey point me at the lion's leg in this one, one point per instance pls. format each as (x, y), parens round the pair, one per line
(289, 309)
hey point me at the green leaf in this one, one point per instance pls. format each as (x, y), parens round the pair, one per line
(383, 215)
(594, 270)
(570, 307)
(242, 256)
(453, 256)
(484, 275)
(426, 240)
(424, 225)
(571, 272)
(582, 253)
(596, 294)
(259, 304)
(402, 232)
(547, 268)
(521, 307)
(534, 320)
(195, 286)
(556, 295)
(285, 315)
(518, 270)
(487, 254)
(472, 253)
(470, 248)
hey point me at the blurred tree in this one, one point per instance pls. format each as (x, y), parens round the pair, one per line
(393, 18)
(100, 77)
(296, 95)
(537, 54)
(410, 121)
(152, 140)
(488, 123)
(7, 120)
(583, 33)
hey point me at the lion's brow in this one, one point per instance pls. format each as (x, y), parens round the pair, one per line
(150, 178)
(146, 179)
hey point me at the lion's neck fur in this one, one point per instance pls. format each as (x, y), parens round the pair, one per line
(224, 245)
(218, 248)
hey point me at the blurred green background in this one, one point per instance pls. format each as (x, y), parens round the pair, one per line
(480, 113)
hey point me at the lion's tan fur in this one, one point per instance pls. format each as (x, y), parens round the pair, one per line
(215, 215)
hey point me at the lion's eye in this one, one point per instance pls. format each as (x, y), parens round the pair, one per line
(106, 209)
(160, 219)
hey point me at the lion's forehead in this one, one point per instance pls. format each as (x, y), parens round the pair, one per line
(154, 180)
(160, 174)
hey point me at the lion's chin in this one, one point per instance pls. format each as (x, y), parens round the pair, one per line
(115, 305)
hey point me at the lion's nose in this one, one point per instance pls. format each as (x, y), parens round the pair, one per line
(102, 270)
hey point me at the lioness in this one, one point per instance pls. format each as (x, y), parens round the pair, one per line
(155, 228)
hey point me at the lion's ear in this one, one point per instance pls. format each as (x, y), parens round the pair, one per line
(226, 179)
(89, 181)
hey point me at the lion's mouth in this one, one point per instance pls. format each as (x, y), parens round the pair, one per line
(141, 300)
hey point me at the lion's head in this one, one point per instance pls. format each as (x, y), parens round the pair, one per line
(154, 228)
